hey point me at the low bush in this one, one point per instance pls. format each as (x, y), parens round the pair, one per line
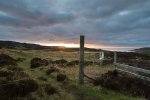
(87, 63)
(73, 63)
(107, 61)
(61, 77)
(50, 89)
(19, 75)
(42, 78)
(17, 88)
(13, 73)
(124, 83)
(50, 61)
(14, 68)
(5, 73)
(7, 60)
(37, 62)
(76, 62)
(61, 62)
(51, 70)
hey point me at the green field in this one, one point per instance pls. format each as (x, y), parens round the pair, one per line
(69, 89)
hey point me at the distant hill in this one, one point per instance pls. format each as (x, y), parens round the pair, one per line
(29, 46)
(18, 45)
(145, 50)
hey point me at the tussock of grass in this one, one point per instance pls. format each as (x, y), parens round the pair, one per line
(50, 90)
(7, 60)
(17, 88)
(61, 77)
(43, 78)
(37, 62)
(51, 70)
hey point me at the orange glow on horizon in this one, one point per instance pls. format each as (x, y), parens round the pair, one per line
(71, 45)
(104, 47)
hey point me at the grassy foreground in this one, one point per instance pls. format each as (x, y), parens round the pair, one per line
(69, 89)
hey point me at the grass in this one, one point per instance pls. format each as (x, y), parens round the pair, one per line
(103, 94)
(69, 89)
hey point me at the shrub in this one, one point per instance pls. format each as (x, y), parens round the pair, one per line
(43, 78)
(107, 61)
(51, 70)
(87, 63)
(17, 88)
(50, 89)
(14, 68)
(13, 73)
(104, 78)
(124, 83)
(50, 61)
(7, 60)
(5, 73)
(73, 63)
(19, 75)
(61, 62)
(45, 62)
(61, 77)
(37, 62)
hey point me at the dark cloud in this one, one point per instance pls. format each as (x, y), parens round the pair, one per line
(29, 14)
(111, 23)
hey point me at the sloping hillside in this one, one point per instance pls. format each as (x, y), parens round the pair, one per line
(18, 45)
(145, 50)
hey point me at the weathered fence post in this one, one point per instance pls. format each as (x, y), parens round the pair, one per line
(115, 57)
(101, 57)
(81, 71)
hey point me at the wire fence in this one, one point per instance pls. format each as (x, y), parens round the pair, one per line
(135, 71)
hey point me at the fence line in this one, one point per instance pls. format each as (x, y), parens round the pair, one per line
(135, 74)
(134, 68)
(118, 66)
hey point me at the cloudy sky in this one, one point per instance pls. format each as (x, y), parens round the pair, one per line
(112, 24)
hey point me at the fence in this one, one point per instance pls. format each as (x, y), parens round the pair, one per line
(135, 71)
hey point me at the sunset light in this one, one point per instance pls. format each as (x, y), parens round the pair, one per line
(72, 45)
(104, 47)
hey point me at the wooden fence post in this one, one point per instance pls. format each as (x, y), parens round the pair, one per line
(81, 68)
(115, 57)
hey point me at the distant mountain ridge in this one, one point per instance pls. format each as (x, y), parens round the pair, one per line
(145, 50)
(29, 46)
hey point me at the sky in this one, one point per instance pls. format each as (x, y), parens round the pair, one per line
(106, 24)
